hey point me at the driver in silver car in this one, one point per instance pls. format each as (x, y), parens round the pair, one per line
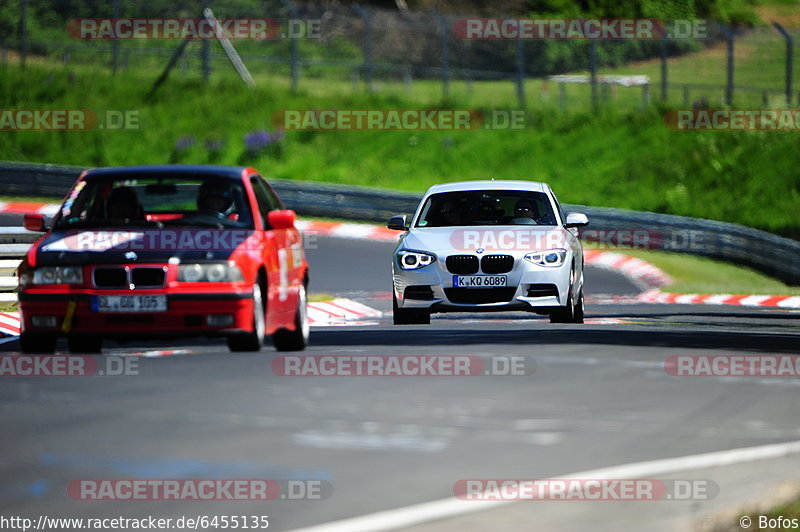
(525, 212)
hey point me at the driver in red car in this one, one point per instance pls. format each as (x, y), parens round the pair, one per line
(213, 196)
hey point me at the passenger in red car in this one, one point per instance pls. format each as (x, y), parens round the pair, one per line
(122, 203)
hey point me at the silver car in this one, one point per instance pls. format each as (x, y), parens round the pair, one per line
(488, 246)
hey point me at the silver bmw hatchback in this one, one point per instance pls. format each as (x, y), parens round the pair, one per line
(479, 246)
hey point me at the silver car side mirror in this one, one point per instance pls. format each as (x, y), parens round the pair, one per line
(576, 219)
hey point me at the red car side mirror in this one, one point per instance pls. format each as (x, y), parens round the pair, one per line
(281, 219)
(35, 222)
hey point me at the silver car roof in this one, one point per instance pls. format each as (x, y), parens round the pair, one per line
(488, 184)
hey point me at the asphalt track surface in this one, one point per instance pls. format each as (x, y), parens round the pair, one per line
(598, 397)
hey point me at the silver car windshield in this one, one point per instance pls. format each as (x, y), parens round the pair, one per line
(487, 207)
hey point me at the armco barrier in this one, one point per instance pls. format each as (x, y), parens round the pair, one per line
(771, 254)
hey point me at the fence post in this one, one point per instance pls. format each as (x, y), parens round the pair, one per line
(294, 50)
(23, 32)
(593, 71)
(664, 68)
(729, 85)
(520, 73)
(367, 45)
(116, 43)
(206, 52)
(206, 60)
(407, 79)
(445, 57)
(789, 61)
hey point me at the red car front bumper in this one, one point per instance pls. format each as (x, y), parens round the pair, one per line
(187, 314)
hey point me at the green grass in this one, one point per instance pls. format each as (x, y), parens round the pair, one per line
(699, 275)
(321, 296)
(789, 510)
(8, 306)
(622, 157)
(29, 199)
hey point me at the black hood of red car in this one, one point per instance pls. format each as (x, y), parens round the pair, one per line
(130, 246)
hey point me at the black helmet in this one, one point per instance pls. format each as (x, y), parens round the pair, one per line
(214, 196)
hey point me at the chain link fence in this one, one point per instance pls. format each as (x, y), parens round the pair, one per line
(424, 53)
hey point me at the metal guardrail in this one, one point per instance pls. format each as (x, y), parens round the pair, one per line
(771, 254)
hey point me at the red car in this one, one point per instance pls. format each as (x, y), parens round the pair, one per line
(165, 251)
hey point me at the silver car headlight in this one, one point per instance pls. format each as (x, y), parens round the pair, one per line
(58, 275)
(414, 260)
(216, 272)
(550, 257)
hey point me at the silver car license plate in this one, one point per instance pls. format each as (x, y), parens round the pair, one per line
(479, 281)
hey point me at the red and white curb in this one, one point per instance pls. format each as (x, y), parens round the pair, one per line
(357, 231)
(26, 207)
(742, 300)
(341, 311)
(641, 272)
(337, 312)
(9, 323)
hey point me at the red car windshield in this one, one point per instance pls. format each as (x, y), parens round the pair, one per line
(213, 202)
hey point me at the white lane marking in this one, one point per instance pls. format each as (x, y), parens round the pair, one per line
(355, 440)
(452, 506)
(345, 323)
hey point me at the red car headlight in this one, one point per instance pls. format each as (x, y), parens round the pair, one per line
(215, 272)
(58, 275)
